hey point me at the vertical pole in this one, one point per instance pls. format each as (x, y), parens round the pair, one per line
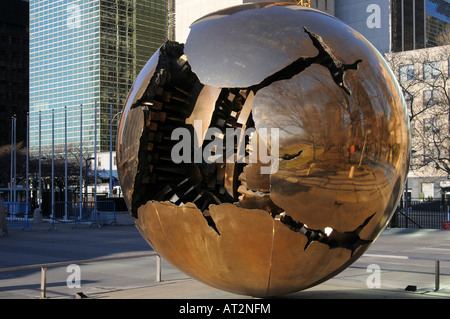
(95, 157)
(53, 171)
(15, 160)
(43, 281)
(12, 161)
(406, 202)
(53, 163)
(27, 165)
(81, 158)
(110, 149)
(40, 172)
(436, 275)
(158, 268)
(65, 163)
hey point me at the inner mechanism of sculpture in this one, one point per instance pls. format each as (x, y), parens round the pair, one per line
(341, 161)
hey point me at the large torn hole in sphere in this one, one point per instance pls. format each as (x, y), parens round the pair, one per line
(342, 156)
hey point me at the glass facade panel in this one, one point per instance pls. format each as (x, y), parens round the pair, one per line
(87, 52)
(437, 22)
(408, 24)
(417, 24)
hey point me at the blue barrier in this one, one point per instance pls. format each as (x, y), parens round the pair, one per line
(17, 215)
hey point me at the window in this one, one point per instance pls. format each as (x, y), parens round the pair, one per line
(427, 190)
(430, 126)
(406, 73)
(430, 98)
(431, 70)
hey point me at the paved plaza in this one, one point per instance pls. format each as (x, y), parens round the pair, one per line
(136, 278)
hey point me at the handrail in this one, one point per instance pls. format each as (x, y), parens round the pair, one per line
(408, 257)
(408, 218)
(44, 267)
(437, 262)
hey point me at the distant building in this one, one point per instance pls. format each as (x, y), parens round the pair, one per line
(424, 76)
(13, 68)
(87, 52)
(418, 24)
(397, 25)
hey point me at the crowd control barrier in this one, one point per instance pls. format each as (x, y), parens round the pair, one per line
(100, 212)
(17, 215)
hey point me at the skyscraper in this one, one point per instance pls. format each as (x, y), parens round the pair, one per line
(84, 57)
(397, 25)
(418, 24)
(13, 68)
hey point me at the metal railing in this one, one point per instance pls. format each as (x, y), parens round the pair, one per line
(427, 214)
(43, 267)
(99, 212)
(17, 215)
(437, 262)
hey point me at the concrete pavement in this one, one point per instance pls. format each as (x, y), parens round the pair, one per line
(136, 278)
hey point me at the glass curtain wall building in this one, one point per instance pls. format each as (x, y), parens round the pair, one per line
(418, 24)
(84, 57)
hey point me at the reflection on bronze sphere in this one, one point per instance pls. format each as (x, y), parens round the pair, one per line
(336, 168)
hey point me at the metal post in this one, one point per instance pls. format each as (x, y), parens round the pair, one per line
(65, 164)
(43, 281)
(436, 275)
(95, 158)
(15, 160)
(11, 176)
(406, 202)
(27, 165)
(53, 171)
(158, 268)
(40, 172)
(81, 159)
(110, 149)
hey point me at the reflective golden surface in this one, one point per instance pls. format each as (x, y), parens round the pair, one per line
(336, 174)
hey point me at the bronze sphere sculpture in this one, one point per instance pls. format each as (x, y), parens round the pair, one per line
(268, 152)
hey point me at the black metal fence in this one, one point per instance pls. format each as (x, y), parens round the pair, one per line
(427, 214)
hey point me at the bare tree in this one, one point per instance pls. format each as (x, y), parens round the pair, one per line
(424, 78)
(59, 168)
(5, 164)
